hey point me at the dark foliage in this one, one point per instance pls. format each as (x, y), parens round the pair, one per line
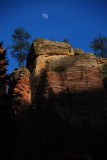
(21, 45)
(66, 40)
(99, 45)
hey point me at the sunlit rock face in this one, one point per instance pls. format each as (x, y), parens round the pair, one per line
(65, 71)
(2, 71)
(78, 51)
(43, 48)
(82, 75)
(71, 85)
(19, 89)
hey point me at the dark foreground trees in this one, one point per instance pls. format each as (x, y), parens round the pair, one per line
(99, 45)
(21, 44)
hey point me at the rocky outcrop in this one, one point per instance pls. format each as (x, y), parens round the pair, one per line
(3, 85)
(19, 89)
(76, 73)
(70, 101)
(43, 49)
(70, 106)
(78, 51)
(82, 76)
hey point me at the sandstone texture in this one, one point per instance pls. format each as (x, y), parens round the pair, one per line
(82, 76)
(43, 48)
(2, 71)
(78, 51)
(66, 82)
(19, 89)
(77, 73)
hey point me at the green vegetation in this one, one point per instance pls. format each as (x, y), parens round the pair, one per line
(59, 69)
(66, 40)
(47, 64)
(21, 45)
(63, 63)
(99, 45)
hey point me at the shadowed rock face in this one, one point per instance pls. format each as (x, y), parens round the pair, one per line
(19, 88)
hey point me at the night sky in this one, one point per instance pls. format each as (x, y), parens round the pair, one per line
(78, 20)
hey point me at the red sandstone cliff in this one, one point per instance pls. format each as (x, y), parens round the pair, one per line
(2, 70)
(69, 97)
(76, 73)
(19, 89)
(65, 81)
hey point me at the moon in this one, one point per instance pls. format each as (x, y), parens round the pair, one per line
(45, 15)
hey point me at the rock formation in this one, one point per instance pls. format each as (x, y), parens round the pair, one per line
(43, 49)
(66, 82)
(68, 101)
(78, 51)
(69, 97)
(2, 70)
(101, 61)
(76, 73)
(19, 89)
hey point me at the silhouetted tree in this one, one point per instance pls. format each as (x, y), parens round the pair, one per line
(99, 45)
(21, 45)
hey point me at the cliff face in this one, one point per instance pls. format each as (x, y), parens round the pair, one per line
(2, 71)
(71, 85)
(65, 71)
(19, 89)
(69, 104)
(43, 49)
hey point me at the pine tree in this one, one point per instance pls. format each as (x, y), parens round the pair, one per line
(99, 45)
(21, 45)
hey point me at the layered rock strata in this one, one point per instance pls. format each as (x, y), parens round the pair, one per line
(78, 51)
(19, 89)
(3, 85)
(76, 73)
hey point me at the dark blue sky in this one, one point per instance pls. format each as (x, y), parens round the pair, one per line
(78, 20)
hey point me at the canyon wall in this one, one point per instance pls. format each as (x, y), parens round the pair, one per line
(70, 84)
(19, 89)
(2, 70)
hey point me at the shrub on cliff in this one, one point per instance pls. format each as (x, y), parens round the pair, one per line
(63, 63)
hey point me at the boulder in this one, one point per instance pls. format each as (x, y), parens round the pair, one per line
(78, 51)
(45, 48)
